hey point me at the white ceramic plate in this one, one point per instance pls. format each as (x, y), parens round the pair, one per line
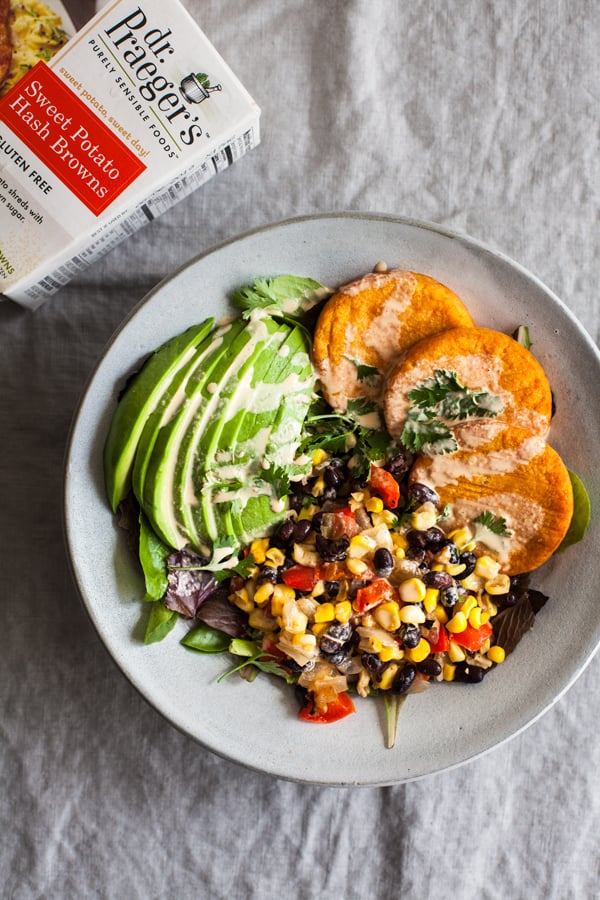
(255, 724)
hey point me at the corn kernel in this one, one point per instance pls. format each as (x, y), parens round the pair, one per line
(412, 591)
(242, 600)
(318, 589)
(387, 615)
(281, 593)
(263, 593)
(374, 505)
(319, 628)
(498, 585)
(260, 618)
(457, 623)
(466, 606)
(375, 645)
(305, 555)
(455, 652)
(475, 617)
(274, 557)
(485, 647)
(318, 487)
(485, 618)
(424, 517)
(455, 568)
(430, 599)
(412, 615)
(496, 654)
(420, 652)
(258, 549)
(487, 567)
(319, 456)
(448, 672)
(399, 553)
(384, 682)
(400, 541)
(356, 566)
(308, 512)
(325, 613)
(360, 545)
(472, 582)
(438, 567)
(343, 611)
(305, 642)
(440, 614)
(461, 537)
(386, 517)
(295, 620)
(387, 654)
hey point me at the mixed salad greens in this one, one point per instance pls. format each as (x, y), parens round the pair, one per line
(291, 536)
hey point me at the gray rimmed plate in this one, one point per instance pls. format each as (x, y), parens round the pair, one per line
(255, 724)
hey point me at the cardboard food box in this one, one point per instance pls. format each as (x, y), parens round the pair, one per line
(133, 113)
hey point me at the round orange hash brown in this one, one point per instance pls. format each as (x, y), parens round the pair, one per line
(483, 359)
(370, 322)
(516, 476)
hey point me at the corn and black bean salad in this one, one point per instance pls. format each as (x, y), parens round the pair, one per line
(352, 592)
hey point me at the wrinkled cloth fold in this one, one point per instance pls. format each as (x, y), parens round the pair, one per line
(479, 116)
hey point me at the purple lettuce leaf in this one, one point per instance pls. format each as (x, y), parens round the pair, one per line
(189, 585)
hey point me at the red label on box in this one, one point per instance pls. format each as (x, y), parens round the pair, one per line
(72, 141)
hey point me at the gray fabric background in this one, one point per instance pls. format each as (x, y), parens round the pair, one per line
(481, 116)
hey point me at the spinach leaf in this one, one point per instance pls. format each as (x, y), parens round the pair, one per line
(160, 622)
(206, 639)
(581, 513)
(153, 556)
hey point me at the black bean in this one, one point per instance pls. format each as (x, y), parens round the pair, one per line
(383, 561)
(301, 695)
(334, 476)
(332, 550)
(449, 596)
(417, 539)
(292, 666)
(283, 535)
(434, 538)
(337, 658)
(269, 574)
(421, 493)
(399, 466)
(300, 530)
(340, 631)
(469, 560)
(404, 679)
(372, 663)
(438, 580)
(410, 635)
(469, 673)
(332, 588)
(430, 667)
(327, 495)
(416, 554)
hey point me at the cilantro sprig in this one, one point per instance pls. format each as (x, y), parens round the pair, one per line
(343, 433)
(437, 401)
(495, 524)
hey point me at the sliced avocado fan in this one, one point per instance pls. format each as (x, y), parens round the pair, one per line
(141, 398)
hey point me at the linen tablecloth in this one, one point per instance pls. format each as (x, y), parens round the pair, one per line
(480, 116)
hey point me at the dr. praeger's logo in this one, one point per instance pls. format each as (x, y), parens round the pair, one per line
(196, 87)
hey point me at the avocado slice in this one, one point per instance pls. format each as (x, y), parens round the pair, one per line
(158, 500)
(238, 498)
(229, 455)
(233, 393)
(139, 400)
(170, 404)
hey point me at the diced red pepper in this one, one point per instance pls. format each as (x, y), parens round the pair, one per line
(373, 594)
(385, 486)
(473, 638)
(442, 642)
(271, 648)
(303, 578)
(337, 709)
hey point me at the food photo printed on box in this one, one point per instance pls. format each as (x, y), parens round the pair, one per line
(103, 130)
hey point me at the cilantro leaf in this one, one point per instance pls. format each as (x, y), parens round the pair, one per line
(278, 477)
(495, 524)
(437, 401)
(363, 371)
(288, 296)
(243, 567)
